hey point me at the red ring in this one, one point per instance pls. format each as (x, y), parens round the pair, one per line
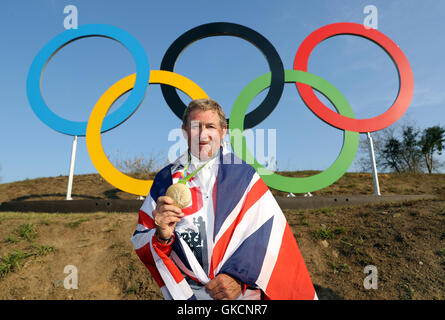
(406, 79)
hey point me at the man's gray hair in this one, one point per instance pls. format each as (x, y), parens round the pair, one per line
(204, 105)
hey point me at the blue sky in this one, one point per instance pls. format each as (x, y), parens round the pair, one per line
(82, 71)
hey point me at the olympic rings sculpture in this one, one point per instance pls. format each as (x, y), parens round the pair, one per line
(100, 122)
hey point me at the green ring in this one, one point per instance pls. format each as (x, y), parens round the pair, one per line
(294, 184)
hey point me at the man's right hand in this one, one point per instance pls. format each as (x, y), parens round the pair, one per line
(165, 216)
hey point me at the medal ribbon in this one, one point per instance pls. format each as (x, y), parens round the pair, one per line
(184, 178)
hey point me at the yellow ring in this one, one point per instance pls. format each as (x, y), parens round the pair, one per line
(93, 138)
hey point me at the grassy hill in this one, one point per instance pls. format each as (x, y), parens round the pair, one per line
(93, 186)
(404, 241)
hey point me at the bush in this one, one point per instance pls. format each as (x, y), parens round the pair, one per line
(139, 165)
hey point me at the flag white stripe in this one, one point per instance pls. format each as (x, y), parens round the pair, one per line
(273, 249)
(177, 291)
(148, 206)
(194, 264)
(234, 214)
(253, 219)
(140, 239)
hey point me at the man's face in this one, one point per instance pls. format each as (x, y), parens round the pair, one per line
(204, 133)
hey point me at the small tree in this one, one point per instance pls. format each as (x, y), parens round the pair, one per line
(403, 154)
(432, 141)
(410, 151)
(392, 154)
(139, 165)
(404, 148)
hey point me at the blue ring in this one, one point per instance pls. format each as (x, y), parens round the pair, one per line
(78, 128)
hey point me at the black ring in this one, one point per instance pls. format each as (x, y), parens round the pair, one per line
(261, 112)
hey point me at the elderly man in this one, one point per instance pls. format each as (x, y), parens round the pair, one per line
(232, 241)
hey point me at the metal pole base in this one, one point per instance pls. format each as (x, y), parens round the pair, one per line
(70, 178)
(374, 166)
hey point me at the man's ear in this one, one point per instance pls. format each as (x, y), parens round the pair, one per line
(224, 132)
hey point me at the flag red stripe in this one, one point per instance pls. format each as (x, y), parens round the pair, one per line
(290, 269)
(146, 220)
(144, 253)
(255, 193)
(171, 266)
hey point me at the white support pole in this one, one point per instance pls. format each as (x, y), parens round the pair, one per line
(70, 178)
(374, 166)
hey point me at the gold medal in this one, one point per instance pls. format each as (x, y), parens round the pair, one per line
(180, 194)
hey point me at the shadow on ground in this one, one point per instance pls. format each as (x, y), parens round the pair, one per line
(48, 195)
(326, 293)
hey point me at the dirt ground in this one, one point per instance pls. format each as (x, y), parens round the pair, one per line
(404, 241)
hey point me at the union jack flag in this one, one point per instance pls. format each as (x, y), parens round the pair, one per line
(252, 240)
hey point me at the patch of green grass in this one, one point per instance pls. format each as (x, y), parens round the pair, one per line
(440, 252)
(27, 231)
(10, 262)
(340, 268)
(324, 234)
(42, 250)
(75, 224)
